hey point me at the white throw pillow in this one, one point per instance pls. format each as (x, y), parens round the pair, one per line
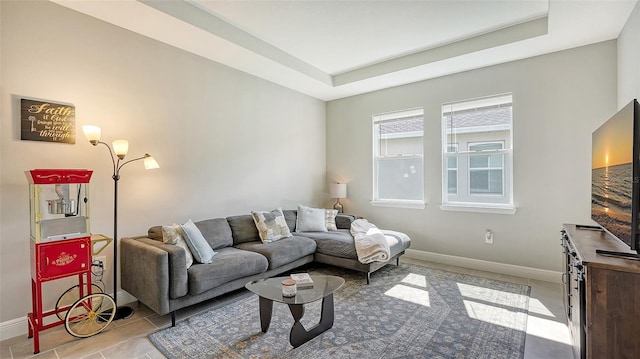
(173, 235)
(200, 248)
(311, 219)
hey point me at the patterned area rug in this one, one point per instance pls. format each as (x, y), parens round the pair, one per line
(406, 312)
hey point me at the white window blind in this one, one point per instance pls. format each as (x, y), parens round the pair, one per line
(398, 157)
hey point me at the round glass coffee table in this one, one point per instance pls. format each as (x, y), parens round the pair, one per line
(270, 290)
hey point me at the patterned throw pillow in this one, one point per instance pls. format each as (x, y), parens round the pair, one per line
(330, 217)
(271, 225)
(173, 235)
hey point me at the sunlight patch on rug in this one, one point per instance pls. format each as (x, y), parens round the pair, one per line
(417, 280)
(489, 313)
(410, 294)
(489, 305)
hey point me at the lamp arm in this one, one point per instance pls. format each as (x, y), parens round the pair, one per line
(117, 171)
(113, 160)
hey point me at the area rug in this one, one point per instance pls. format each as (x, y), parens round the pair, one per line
(408, 311)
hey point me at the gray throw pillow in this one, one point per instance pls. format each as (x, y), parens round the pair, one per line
(200, 248)
(311, 219)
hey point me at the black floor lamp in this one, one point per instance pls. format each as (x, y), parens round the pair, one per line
(120, 148)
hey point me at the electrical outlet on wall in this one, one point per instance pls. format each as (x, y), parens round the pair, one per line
(488, 237)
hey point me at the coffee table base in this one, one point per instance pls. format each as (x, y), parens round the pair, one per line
(299, 335)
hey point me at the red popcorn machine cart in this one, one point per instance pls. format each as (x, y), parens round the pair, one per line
(62, 246)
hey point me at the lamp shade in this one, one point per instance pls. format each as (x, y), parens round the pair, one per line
(150, 163)
(120, 147)
(338, 190)
(92, 133)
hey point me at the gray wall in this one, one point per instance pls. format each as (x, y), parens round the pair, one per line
(227, 142)
(629, 59)
(558, 100)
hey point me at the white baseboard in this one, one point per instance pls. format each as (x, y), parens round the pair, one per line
(13, 328)
(18, 327)
(495, 267)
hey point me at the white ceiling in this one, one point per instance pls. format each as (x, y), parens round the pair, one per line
(334, 49)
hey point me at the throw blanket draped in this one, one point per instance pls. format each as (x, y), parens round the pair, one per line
(371, 243)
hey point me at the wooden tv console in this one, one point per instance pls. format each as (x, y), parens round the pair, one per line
(602, 295)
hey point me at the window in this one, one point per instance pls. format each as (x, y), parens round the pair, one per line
(397, 158)
(477, 152)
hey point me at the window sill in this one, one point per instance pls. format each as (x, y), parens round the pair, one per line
(399, 204)
(478, 208)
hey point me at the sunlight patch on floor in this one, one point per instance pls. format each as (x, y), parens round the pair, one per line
(536, 306)
(548, 329)
(410, 294)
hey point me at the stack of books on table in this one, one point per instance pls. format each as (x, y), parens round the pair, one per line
(303, 280)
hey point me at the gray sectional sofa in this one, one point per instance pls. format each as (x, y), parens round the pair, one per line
(157, 275)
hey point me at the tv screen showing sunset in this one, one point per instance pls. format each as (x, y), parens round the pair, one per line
(612, 176)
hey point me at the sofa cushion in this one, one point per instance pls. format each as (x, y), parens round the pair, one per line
(243, 229)
(217, 232)
(290, 215)
(337, 243)
(272, 226)
(343, 221)
(311, 219)
(283, 251)
(229, 264)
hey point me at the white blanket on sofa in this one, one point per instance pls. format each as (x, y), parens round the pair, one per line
(371, 244)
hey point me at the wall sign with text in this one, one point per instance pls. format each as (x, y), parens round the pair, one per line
(47, 121)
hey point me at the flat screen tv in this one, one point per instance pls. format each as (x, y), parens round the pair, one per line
(615, 176)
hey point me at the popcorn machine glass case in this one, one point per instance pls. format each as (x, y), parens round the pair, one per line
(58, 201)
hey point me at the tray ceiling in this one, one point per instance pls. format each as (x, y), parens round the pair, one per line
(335, 49)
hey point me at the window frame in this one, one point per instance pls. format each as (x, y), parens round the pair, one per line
(477, 202)
(377, 157)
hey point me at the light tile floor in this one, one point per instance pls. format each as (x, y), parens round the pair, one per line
(547, 332)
